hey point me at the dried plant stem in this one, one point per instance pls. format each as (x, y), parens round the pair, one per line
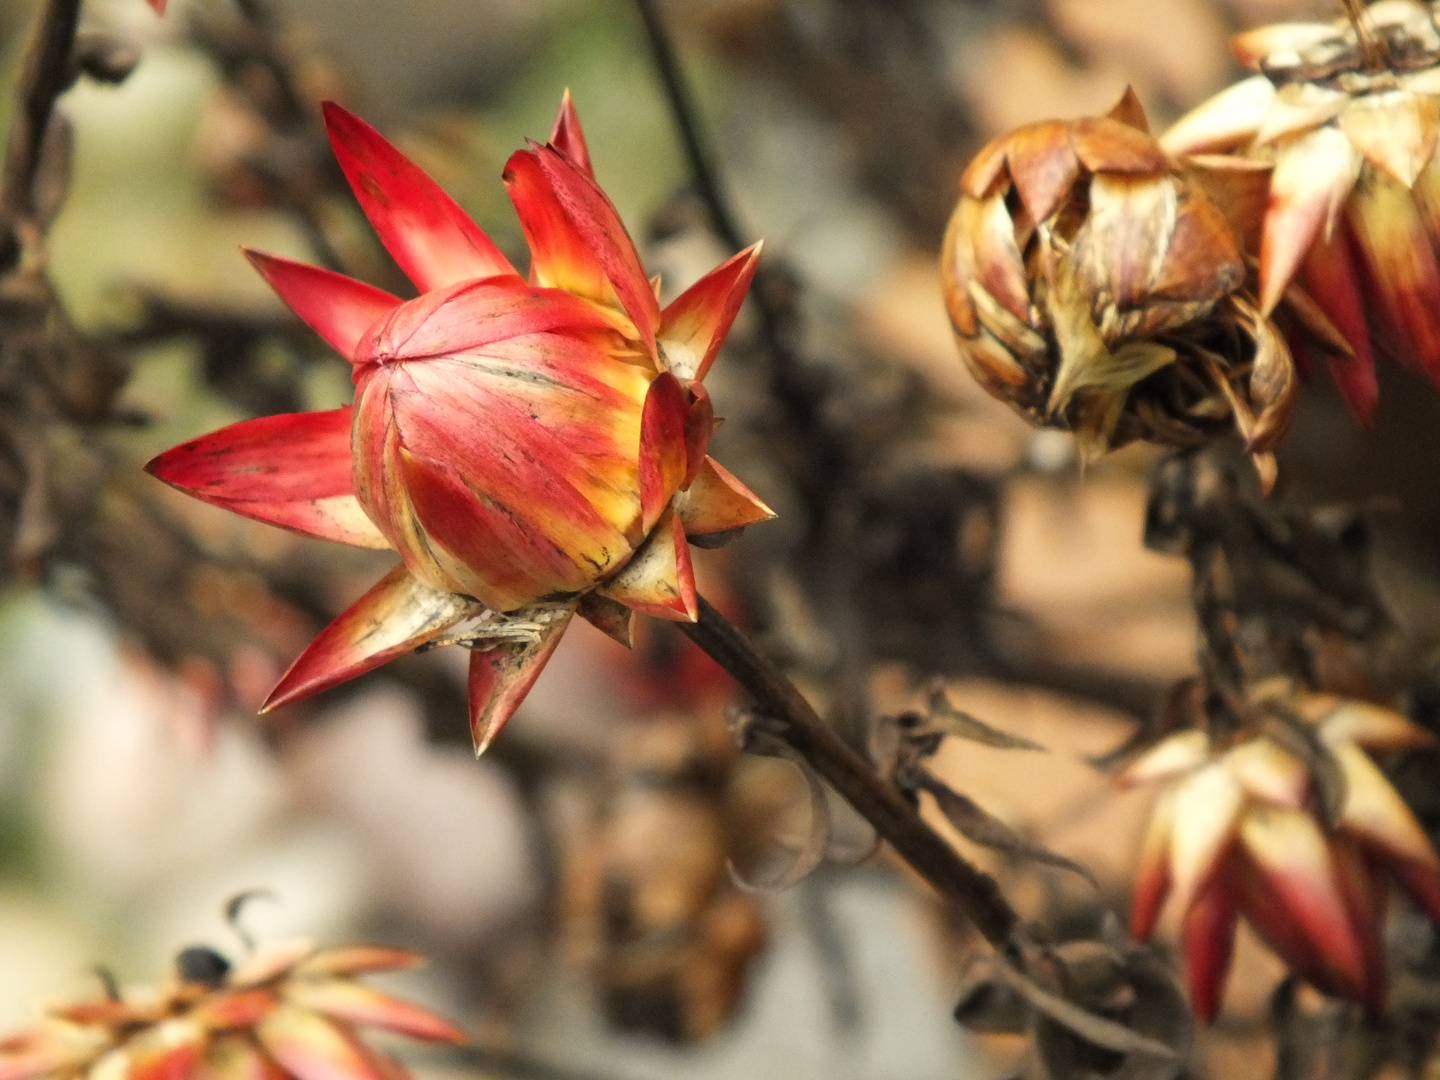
(794, 721)
(46, 75)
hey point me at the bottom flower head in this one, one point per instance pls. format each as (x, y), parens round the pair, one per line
(1240, 832)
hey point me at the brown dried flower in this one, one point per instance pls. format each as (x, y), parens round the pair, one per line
(1097, 285)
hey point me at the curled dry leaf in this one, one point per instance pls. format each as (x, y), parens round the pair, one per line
(811, 852)
(983, 828)
(948, 720)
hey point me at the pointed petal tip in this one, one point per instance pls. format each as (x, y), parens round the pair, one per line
(568, 137)
(429, 236)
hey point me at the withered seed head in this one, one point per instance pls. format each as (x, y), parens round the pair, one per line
(1096, 285)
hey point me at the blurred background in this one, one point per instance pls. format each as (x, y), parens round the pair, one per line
(572, 886)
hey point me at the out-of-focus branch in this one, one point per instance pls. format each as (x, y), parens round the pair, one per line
(788, 716)
(45, 77)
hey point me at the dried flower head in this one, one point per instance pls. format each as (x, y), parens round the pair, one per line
(1094, 284)
(1241, 830)
(530, 449)
(287, 1013)
(1349, 114)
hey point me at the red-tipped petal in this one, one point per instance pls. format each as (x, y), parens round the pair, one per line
(236, 1009)
(1208, 807)
(358, 960)
(568, 138)
(425, 231)
(292, 470)
(502, 675)
(235, 1057)
(338, 308)
(159, 6)
(1363, 891)
(717, 502)
(395, 617)
(310, 1047)
(699, 426)
(1328, 275)
(577, 241)
(1152, 876)
(659, 579)
(1402, 270)
(1208, 941)
(168, 1051)
(662, 446)
(1313, 177)
(354, 1003)
(1294, 859)
(694, 325)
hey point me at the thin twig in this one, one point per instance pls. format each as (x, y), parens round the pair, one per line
(973, 892)
(682, 106)
(46, 75)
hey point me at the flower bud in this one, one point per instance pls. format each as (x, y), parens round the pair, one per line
(532, 449)
(1095, 285)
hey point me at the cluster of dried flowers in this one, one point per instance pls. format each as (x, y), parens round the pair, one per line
(1127, 287)
(1173, 289)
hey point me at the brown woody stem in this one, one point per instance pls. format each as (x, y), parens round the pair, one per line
(46, 75)
(794, 721)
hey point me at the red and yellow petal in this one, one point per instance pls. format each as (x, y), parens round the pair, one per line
(568, 138)
(292, 470)
(234, 1009)
(395, 617)
(1401, 269)
(694, 325)
(663, 450)
(1375, 813)
(717, 502)
(1328, 274)
(1207, 808)
(1152, 875)
(577, 241)
(1313, 177)
(1294, 860)
(311, 1047)
(434, 242)
(659, 580)
(338, 308)
(236, 1057)
(1208, 942)
(501, 676)
(354, 1003)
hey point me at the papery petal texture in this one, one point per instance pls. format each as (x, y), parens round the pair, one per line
(293, 470)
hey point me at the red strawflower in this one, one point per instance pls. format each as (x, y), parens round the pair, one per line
(288, 1013)
(1238, 832)
(531, 449)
